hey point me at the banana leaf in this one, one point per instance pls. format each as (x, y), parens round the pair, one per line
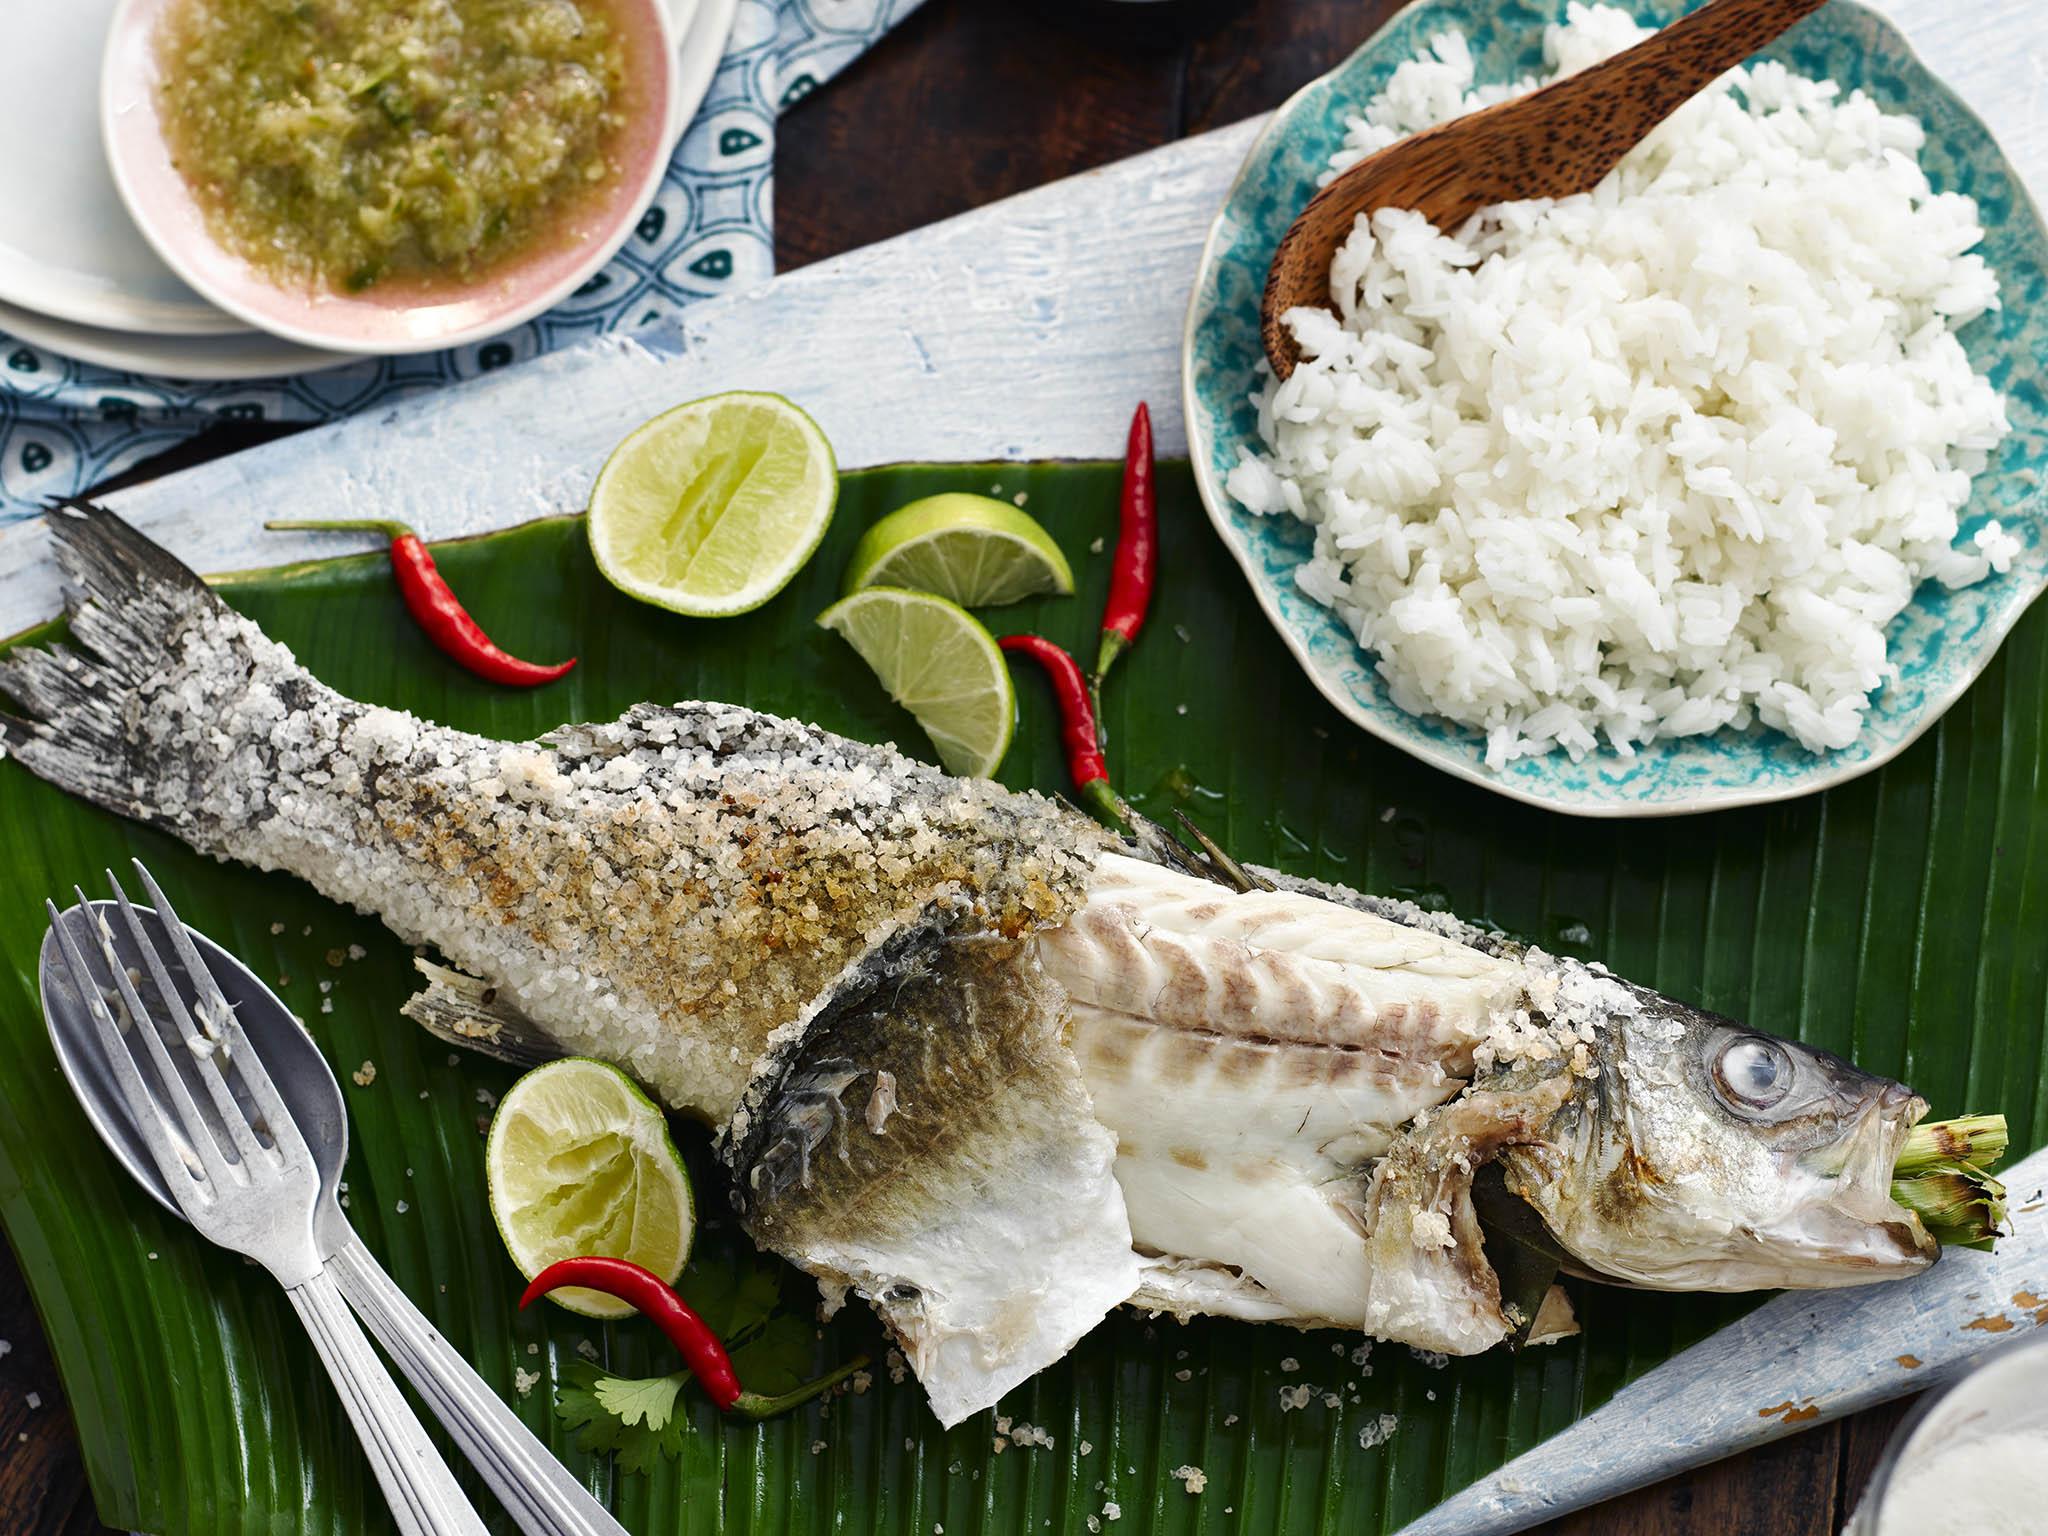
(1897, 920)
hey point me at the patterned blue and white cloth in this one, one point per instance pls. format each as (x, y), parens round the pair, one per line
(65, 425)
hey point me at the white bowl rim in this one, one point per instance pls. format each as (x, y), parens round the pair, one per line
(123, 45)
(1218, 503)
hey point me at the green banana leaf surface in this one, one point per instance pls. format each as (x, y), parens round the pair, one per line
(1897, 920)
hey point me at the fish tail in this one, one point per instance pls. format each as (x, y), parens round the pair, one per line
(138, 712)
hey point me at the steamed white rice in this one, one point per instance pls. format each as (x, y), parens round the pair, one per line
(1652, 461)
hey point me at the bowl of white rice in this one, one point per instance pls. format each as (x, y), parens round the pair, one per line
(1714, 486)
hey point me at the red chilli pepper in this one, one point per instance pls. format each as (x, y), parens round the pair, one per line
(1137, 549)
(1085, 763)
(648, 1293)
(440, 613)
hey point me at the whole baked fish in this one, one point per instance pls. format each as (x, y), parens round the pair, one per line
(967, 1054)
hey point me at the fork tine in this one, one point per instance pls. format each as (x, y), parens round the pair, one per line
(178, 1175)
(284, 1131)
(190, 1120)
(186, 1027)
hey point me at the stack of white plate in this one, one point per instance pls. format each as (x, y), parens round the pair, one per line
(76, 276)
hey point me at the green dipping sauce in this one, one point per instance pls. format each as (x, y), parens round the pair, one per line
(337, 144)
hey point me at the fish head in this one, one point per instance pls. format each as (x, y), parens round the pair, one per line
(1701, 1155)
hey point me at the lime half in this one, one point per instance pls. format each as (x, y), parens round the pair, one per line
(938, 662)
(710, 508)
(973, 549)
(579, 1161)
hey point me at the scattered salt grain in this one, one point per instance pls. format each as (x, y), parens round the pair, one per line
(34, 1400)
(1290, 1364)
(1431, 1229)
(365, 1075)
(1378, 1432)
(277, 927)
(523, 1380)
(1194, 1479)
(1183, 1374)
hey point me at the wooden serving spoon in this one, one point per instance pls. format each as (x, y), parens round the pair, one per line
(1550, 143)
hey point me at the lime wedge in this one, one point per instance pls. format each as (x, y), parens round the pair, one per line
(579, 1161)
(938, 662)
(973, 549)
(710, 508)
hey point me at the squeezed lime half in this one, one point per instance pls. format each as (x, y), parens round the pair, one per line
(579, 1161)
(709, 509)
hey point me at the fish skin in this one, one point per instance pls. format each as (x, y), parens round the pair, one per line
(787, 933)
(927, 1141)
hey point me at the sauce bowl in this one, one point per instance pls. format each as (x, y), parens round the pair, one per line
(408, 317)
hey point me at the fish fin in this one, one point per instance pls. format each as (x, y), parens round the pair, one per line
(1554, 1321)
(1429, 1283)
(128, 712)
(967, 1192)
(462, 1011)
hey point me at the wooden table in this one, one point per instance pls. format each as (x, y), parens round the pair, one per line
(967, 102)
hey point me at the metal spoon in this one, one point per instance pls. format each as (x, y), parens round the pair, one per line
(1550, 143)
(535, 1488)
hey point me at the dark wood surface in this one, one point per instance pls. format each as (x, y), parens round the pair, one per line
(967, 102)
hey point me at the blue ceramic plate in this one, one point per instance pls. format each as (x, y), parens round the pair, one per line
(1940, 643)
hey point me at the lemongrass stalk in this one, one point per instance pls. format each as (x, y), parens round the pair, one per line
(1936, 1146)
(1941, 1176)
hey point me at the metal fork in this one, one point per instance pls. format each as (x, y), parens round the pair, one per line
(245, 1178)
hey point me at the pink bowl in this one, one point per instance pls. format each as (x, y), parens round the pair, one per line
(402, 319)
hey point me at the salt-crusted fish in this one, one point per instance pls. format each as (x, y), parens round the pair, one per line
(968, 1055)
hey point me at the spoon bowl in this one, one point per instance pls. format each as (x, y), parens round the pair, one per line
(304, 1080)
(1553, 142)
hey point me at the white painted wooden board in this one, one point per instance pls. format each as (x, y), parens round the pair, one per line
(1026, 330)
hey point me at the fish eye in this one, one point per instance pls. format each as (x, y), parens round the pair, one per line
(1752, 1073)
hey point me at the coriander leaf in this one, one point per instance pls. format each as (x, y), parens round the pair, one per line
(650, 1400)
(580, 1402)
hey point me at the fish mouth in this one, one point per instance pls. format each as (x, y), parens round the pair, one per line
(1851, 1230)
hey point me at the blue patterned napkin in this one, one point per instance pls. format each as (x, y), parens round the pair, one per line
(65, 425)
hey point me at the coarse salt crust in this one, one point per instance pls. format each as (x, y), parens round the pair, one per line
(664, 890)
(1654, 461)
